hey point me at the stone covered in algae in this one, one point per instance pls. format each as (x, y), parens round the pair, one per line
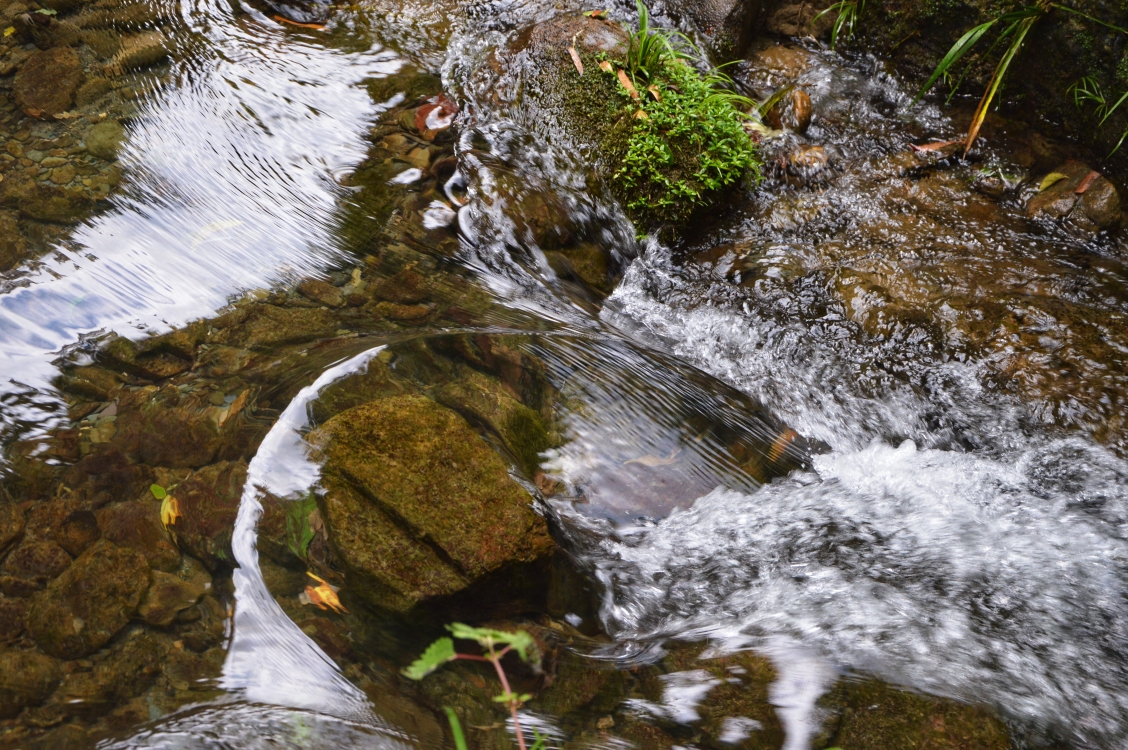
(90, 602)
(418, 505)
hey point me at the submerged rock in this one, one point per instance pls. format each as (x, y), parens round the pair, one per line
(26, 679)
(137, 525)
(30, 566)
(89, 603)
(46, 83)
(104, 139)
(418, 505)
(170, 594)
(209, 502)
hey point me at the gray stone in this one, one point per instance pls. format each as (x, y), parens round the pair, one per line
(105, 139)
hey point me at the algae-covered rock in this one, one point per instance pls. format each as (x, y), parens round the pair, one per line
(877, 716)
(137, 525)
(209, 502)
(418, 505)
(11, 524)
(26, 679)
(90, 602)
(31, 565)
(171, 593)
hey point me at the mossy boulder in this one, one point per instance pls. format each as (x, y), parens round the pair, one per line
(418, 506)
(90, 602)
(26, 679)
(666, 155)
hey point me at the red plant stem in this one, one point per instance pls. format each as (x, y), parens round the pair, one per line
(513, 703)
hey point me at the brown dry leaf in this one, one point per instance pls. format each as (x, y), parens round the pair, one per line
(779, 445)
(170, 511)
(654, 92)
(318, 26)
(626, 81)
(323, 596)
(653, 461)
(641, 115)
(235, 407)
(933, 146)
(1087, 182)
(606, 67)
(576, 59)
(1050, 179)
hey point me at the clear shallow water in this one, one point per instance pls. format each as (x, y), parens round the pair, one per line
(952, 537)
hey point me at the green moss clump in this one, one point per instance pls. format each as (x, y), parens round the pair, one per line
(686, 146)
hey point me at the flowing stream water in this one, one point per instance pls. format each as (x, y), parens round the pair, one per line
(956, 519)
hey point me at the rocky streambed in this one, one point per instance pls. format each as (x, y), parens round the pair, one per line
(839, 463)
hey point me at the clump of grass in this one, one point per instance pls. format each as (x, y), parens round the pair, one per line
(681, 135)
(845, 17)
(1014, 25)
(1088, 90)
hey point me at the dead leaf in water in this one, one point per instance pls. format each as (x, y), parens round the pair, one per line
(1050, 179)
(653, 461)
(322, 596)
(933, 146)
(779, 445)
(170, 511)
(317, 26)
(1087, 182)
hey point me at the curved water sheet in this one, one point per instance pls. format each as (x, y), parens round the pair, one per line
(285, 690)
(231, 170)
(645, 434)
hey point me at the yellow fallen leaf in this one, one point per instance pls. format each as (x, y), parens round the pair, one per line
(170, 511)
(323, 596)
(1050, 179)
(641, 115)
(9, 31)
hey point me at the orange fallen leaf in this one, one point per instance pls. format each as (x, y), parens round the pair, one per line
(1087, 182)
(323, 596)
(317, 26)
(607, 67)
(779, 445)
(654, 92)
(641, 115)
(576, 59)
(597, 14)
(626, 81)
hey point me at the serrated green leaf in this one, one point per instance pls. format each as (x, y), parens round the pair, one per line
(158, 492)
(437, 654)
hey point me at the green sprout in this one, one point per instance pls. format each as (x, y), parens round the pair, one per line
(495, 644)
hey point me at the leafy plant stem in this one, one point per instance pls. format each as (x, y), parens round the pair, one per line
(997, 80)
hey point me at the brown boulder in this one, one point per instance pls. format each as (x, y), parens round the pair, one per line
(89, 603)
(26, 679)
(170, 594)
(209, 502)
(418, 505)
(13, 619)
(46, 83)
(31, 565)
(137, 525)
(11, 524)
(1095, 208)
(78, 531)
(321, 292)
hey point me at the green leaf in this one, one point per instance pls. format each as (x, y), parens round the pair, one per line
(158, 492)
(47, 12)
(456, 729)
(962, 46)
(541, 740)
(488, 638)
(437, 654)
(298, 531)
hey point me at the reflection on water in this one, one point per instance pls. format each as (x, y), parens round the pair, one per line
(231, 167)
(930, 345)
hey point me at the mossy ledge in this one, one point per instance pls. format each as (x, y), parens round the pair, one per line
(667, 155)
